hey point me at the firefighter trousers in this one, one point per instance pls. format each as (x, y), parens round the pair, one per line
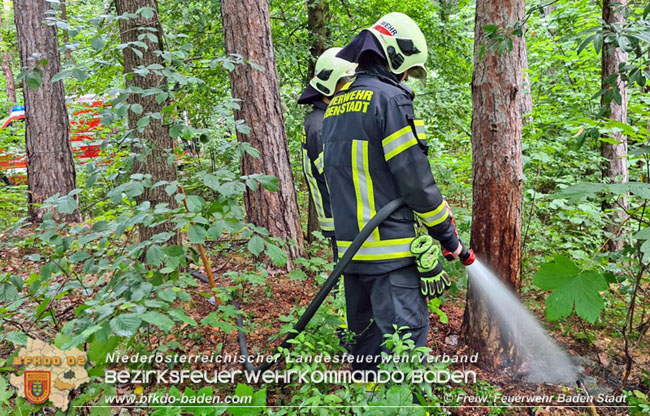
(377, 302)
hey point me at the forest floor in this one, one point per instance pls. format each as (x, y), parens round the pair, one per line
(603, 359)
(602, 369)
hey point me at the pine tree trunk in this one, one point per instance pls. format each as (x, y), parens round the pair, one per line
(50, 166)
(156, 143)
(615, 155)
(497, 95)
(317, 16)
(248, 33)
(10, 85)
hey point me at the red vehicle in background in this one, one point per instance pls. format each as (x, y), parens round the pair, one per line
(85, 140)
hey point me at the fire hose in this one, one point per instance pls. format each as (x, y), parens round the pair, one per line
(329, 284)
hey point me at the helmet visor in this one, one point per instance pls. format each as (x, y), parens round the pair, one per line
(418, 72)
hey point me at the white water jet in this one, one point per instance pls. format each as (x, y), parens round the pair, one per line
(544, 360)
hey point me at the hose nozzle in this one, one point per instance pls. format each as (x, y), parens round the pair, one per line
(467, 256)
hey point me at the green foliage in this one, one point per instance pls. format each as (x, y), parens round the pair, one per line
(571, 287)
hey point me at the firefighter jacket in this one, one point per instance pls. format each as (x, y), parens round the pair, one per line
(374, 152)
(312, 165)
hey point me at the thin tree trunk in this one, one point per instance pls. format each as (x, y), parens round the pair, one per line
(317, 16)
(248, 33)
(527, 94)
(66, 36)
(10, 85)
(312, 221)
(50, 166)
(615, 155)
(497, 168)
(155, 142)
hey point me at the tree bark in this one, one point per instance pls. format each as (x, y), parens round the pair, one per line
(527, 94)
(615, 155)
(248, 33)
(50, 166)
(10, 85)
(155, 143)
(317, 16)
(66, 37)
(497, 95)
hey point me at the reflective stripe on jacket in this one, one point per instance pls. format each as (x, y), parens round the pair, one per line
(312, 165)
(374, 152)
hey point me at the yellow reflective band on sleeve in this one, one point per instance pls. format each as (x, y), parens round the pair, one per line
(379, 250)
(363, 188)
(326, 224)
(420, 129)
(435, 217)
(319, 163)
(313, 187)
(397, 142)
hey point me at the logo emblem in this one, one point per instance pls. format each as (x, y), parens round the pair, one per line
(37, 386)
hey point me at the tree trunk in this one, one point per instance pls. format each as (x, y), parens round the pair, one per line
(317, 16)
(497, 95)
(248, 33)
(155, 142)
(50, 166)
(66, 37)
(527, 94)
(10, 85)
(615, 155)
(312, 221)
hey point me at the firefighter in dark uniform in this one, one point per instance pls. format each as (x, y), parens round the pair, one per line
(330, 74)
(374, 152)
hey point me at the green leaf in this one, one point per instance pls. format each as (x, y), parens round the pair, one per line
(167, 295)
(161, 321)
(98, 350)
(197, 234)
(555, 274)
(270, 183)
(34, 79)
(16, 337)
(180, 315)
(195, 203)
(174, 251)
(125, 324)
(136, 108)
(79, 256)
(79, 74)
(67, 205)
(571, 288)
(97, 43)
(250, 406)
(78, 339)
(155, 255)
(61, 75)
(211, 182)
(5, 394)
(143, 122)
(146, 12)
(577, 193)
(256, 245)
(277, 255)
(133, 189)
